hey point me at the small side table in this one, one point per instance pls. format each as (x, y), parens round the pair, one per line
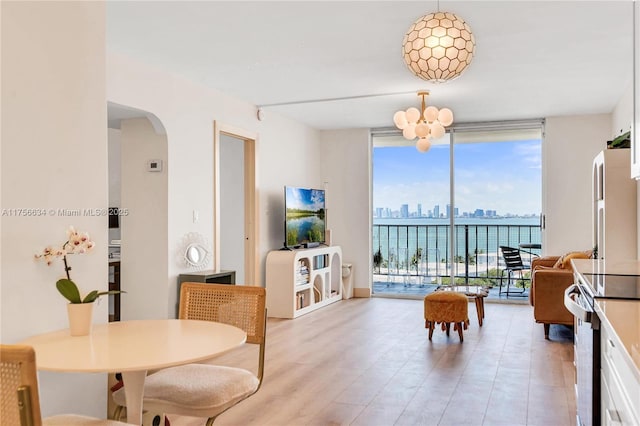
(475, 293)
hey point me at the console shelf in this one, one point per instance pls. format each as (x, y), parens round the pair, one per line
(301, 281)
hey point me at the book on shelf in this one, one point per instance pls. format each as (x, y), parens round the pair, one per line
(300, 301)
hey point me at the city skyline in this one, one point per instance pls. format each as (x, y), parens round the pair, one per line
(503, 176)
(404, 212)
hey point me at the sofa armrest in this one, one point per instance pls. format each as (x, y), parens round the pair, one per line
(547, 294)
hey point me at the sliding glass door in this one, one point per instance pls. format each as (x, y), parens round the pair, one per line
(442, 215)
(410, 232)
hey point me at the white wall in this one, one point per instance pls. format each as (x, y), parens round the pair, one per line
(570, 144)
(115, 175)
(143, 229)
(346, 169)
(115, 169)
(54, 156)
(288, 153)
(622, 114)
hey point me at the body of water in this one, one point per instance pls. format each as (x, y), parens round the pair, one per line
(422, 241)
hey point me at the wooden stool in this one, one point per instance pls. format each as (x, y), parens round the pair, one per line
(446, 307)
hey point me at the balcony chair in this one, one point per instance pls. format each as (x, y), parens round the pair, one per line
(513, 264)
(206, 390)
(20, 401)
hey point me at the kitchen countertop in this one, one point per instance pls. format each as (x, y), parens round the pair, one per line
(622, 317)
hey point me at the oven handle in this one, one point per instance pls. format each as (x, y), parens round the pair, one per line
(570, 294)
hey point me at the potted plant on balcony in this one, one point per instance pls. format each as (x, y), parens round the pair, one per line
(79, 309)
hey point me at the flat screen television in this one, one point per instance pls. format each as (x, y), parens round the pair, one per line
(304, 217)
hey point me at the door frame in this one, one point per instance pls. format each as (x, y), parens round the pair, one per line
(251, 218)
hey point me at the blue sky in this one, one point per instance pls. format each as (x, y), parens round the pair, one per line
(302, 198)
(501, 176)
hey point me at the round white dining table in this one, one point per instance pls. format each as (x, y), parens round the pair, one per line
(132, 348)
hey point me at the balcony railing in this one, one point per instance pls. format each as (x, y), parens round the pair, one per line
(419, 254)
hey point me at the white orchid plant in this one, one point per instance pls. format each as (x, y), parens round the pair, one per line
(77, 243)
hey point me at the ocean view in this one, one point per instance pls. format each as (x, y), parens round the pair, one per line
(421, 245)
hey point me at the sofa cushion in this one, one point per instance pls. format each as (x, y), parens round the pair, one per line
(564, 261)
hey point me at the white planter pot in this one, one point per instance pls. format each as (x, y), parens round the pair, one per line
(80, 318)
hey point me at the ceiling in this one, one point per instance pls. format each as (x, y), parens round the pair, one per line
(533, 59)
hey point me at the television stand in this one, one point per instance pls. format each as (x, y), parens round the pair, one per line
(301, 281)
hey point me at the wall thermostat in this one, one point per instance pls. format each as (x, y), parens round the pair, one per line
(154, 166)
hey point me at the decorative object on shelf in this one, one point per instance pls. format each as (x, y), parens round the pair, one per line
(195, 251)
(77, 243)
(438, 47)
(622, 141)
(425, 124)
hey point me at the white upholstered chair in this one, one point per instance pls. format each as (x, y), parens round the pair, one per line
(20, 401)
(206, 390)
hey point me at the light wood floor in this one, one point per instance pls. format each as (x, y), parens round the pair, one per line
(369, 362)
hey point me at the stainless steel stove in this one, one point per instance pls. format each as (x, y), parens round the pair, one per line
(580, 301)
(612, 286)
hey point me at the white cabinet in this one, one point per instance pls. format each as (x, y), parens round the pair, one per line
(614, 206)
(301, 281)
(620, 388)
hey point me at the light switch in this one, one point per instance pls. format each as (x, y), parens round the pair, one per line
(196, 216)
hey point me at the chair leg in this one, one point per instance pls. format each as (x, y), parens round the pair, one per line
(459, 326)
(510, 277)
(448, 327)
(546, 331)
(432, 326)
(478, 302)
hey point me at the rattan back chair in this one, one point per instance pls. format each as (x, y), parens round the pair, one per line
(206, 390)
(20, 405)
(20, 401)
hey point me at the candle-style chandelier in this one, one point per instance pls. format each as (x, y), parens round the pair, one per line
(425, 124)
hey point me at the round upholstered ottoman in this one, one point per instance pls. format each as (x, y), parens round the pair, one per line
(446, 307)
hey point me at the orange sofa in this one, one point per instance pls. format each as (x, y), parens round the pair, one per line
(550, 278)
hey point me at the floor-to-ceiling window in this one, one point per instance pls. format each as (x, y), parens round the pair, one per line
(442, 215)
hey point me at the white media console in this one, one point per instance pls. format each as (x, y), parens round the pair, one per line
(303, 280)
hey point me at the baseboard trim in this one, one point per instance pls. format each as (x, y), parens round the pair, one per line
(361, 292)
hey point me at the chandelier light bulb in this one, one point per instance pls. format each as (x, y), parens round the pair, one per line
(409, 132)
(413, 115)
(431, 114)
(445, 117)
(422, 130)
(400, 119)
(437, 130)
(438, 47)
(423, 145)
